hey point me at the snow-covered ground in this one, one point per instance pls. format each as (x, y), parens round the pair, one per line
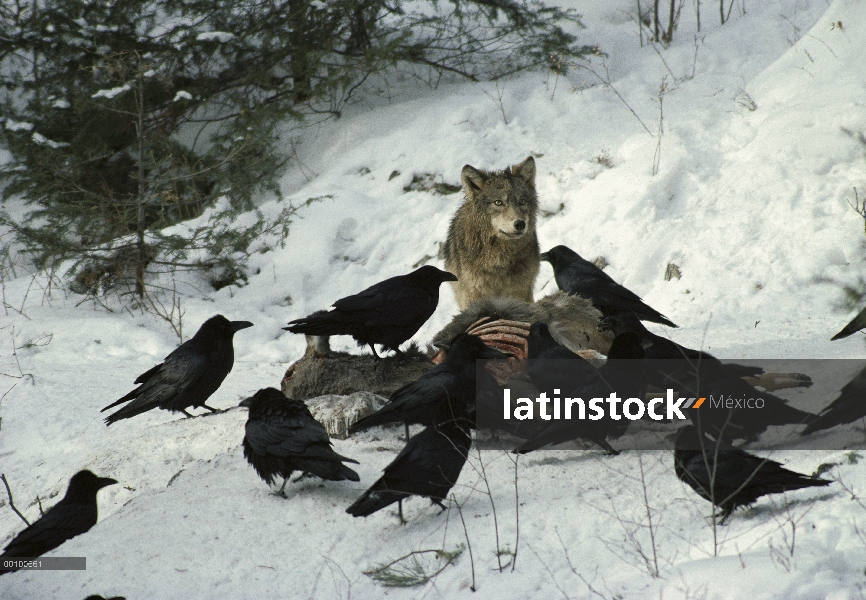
(751, 202)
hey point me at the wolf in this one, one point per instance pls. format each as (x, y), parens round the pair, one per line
(492, 246)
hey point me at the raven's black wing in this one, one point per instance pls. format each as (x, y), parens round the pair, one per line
(181, 369)
(291, 436)
(389, 302)
(417, 402)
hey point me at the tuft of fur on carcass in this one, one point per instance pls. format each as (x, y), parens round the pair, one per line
(338, 413)
(322, 372)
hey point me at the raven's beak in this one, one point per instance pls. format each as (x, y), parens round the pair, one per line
(544, 256)
(238, 325)
(446, 276)
(246, 402)
(105, 482)
(442, 349)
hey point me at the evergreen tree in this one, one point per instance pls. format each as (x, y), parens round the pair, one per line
(124, 118)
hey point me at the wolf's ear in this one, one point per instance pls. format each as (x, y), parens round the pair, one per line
(473, 179)
(525, 170)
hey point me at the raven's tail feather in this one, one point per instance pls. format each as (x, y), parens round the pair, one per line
(349, 474)
(126, 398)
(377, 418)
(657, 317)
(374, 499)
(326, 324)
(128, 411)
(531, 444)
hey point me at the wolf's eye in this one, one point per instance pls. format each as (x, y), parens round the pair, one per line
(498, 203)
(522, 202)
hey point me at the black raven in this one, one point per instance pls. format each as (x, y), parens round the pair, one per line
(729, 477)
(848, 407)
(698, 374)
(388, 313)
(282, 436)
(621, 373)
(578, 276)
(445, 392)
(70, 517)
(188, 376)
(428, 465)
(658, 348)
(856, 324)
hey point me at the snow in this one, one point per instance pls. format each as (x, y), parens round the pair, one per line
(181, 95)
(12, 125)
(219, 36)
(751, 202)
(111, 93)
(44, 141)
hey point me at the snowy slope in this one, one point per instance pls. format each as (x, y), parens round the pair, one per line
(750, 201)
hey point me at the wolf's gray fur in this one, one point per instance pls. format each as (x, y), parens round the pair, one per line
(492, 246)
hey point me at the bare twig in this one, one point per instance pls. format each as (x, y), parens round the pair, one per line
(468, 543)
(11, 502)
(516, 512)
(549, 573)
(498, 100)
(573, 570)
(649, 516)
(173, 315)
(657, 156)
(607, 83)
(849, 489)
(722, 16)
(664, 62)
(483, 474)
(695, 58)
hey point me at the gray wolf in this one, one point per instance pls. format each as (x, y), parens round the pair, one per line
(492, 246)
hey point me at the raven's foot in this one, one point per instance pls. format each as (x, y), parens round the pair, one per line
(608, 449)
(304, 475)
(281, 492)
(400, 358)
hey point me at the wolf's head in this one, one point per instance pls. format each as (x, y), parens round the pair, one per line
(507, 197)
